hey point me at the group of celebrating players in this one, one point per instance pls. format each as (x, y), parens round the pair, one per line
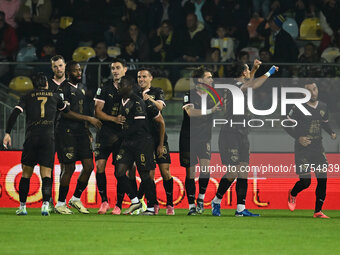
(131, 128)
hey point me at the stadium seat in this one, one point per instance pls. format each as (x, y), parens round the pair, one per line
(253, 53)
(82, 54)
(182, 86)
(252, 26)
(291, 27)
(27, 54)
(21, 84)
(330, 54)
(65, 22)
(113, 51)
(164, 84)
(310, 29)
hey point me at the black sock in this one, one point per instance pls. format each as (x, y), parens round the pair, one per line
(46, 188)
(169, 187)
(101, 184)
(190, 189)
(320, 193)
(24, 187)
(141, 191)
(120, 195)
(133, 183)
(81, 186)
(203, 184)
(125, 186)
(150, 192)
(241, 190)
(63, 190)
(223, 187)
(299, 186)
(52, 175)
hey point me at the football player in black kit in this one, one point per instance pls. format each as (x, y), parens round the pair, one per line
(233, 139)
(137, 147)
(73, 141)
(58, 67)
(155, 96)
(195, 137)
(40, 106)
(107, 103)
(309, 152)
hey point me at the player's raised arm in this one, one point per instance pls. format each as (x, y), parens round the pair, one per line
(255, 84)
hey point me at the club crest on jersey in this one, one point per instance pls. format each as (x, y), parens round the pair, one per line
(322, 113)
(83, 90)
(99, 91)
(69, 155)
(127, 110)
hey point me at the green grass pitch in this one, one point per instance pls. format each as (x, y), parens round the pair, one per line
(275, 232)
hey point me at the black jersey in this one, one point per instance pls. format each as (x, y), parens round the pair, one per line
(197, 127)
(73, 96)
(234, 121)
(41, 106)
(109, 95)
(156, 94)
(134, 109)
(310, 125)
(53, 85)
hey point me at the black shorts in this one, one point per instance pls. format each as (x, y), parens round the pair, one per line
(234, 148)
(107, 142)
(190, 154)
(140, 151)
(310, 158)
(71, 148)
(38, 150)
(165, 159)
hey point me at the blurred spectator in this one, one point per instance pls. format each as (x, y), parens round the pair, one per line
(214, 55)
(135, 12)
(261, 7)
(140, 40)
(56, 35)
(243, 57)
(47, 52)
(91, 79)
(10, 8)
(112, 37)
(224, 43)
(195, 40)
(91, 71)
(162, 10)
(285, 49)
(129, 52)
(265, 55)
(310, 54)
(8, 39)
(164, 44)
(40, 11)
(281, 6)
(330, 23)
(304, 9)
(28, 31)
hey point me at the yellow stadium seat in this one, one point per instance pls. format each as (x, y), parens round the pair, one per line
(65, 22)
(182, 86)
(82, 54)
(21, 84)
(310, 29)
(113, 51)
(330, 54)
(164, 84)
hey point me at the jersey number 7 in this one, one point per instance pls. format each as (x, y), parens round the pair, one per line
(42, 106)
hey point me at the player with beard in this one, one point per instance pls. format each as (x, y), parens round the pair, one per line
(195, 138)
(107, 103)
(309, 152)
(58, 67)
(137, 147)
(155, 96)
(73, 141)
(233, 139)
